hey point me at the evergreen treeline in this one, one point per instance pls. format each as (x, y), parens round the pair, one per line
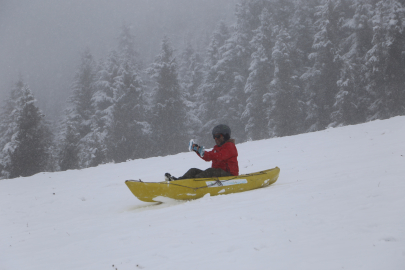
(285, 67)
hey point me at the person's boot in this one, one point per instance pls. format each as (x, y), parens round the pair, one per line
(169, 177)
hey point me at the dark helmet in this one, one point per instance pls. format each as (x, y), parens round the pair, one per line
(222, 129)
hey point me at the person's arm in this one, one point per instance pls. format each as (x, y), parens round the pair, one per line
(222, 153)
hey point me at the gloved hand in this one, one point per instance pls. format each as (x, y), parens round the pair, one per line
(198, 149)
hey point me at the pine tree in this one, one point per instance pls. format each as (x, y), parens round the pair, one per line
(127, 47)
(120, 130)
(191, 77)
(8, 125)
(257, 84)
(233, 68)
(69, 147)
(209, 91)
(190, 70)
(385, 61)
(227, 78)
(321, 79)
(28, 150)
(127, 131)
(285, 112)
(103, 101)
(282, 11)
(302, 32)
(351, 100)
(78, 121)
(169, 109)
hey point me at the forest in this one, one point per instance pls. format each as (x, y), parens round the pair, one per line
(284, 67)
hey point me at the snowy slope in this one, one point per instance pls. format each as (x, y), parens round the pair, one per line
(339, 204)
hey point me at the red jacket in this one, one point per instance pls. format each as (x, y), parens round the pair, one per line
(224, 157)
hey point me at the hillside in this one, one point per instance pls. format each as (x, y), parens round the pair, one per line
(338, 204)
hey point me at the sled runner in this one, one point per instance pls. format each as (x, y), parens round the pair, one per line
(189, 189)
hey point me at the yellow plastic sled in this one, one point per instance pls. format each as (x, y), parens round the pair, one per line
(189, 189)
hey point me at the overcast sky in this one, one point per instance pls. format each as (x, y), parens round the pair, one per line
(42, 39)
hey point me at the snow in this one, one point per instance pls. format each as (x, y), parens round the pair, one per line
(338, 204)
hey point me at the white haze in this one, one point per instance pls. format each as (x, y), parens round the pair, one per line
(41, 40)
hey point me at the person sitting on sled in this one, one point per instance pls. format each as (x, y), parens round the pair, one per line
(223, 156)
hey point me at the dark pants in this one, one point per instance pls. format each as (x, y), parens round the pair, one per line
(208, 173)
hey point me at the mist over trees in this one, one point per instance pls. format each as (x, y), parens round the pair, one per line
(285, 67)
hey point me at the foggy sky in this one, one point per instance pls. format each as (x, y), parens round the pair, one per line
(42, 39)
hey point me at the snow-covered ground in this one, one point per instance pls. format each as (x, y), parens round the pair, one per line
(339, 203)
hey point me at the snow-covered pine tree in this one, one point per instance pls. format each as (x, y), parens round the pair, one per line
(321, 79)
(168, 125)
(227, 78)
(8, 123)
(352, 100)
(68, 149)
(385, 61)
(285, 110)
(185, 71)
(191, 77)
(77, 124)
(396, 64)
(190, 70)
(302, 32)
(233, 68)
(128, 130)
(209, 91)
(28, 150)
(127, 47)
(103, 104)
(282, 11)
(257, 84)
